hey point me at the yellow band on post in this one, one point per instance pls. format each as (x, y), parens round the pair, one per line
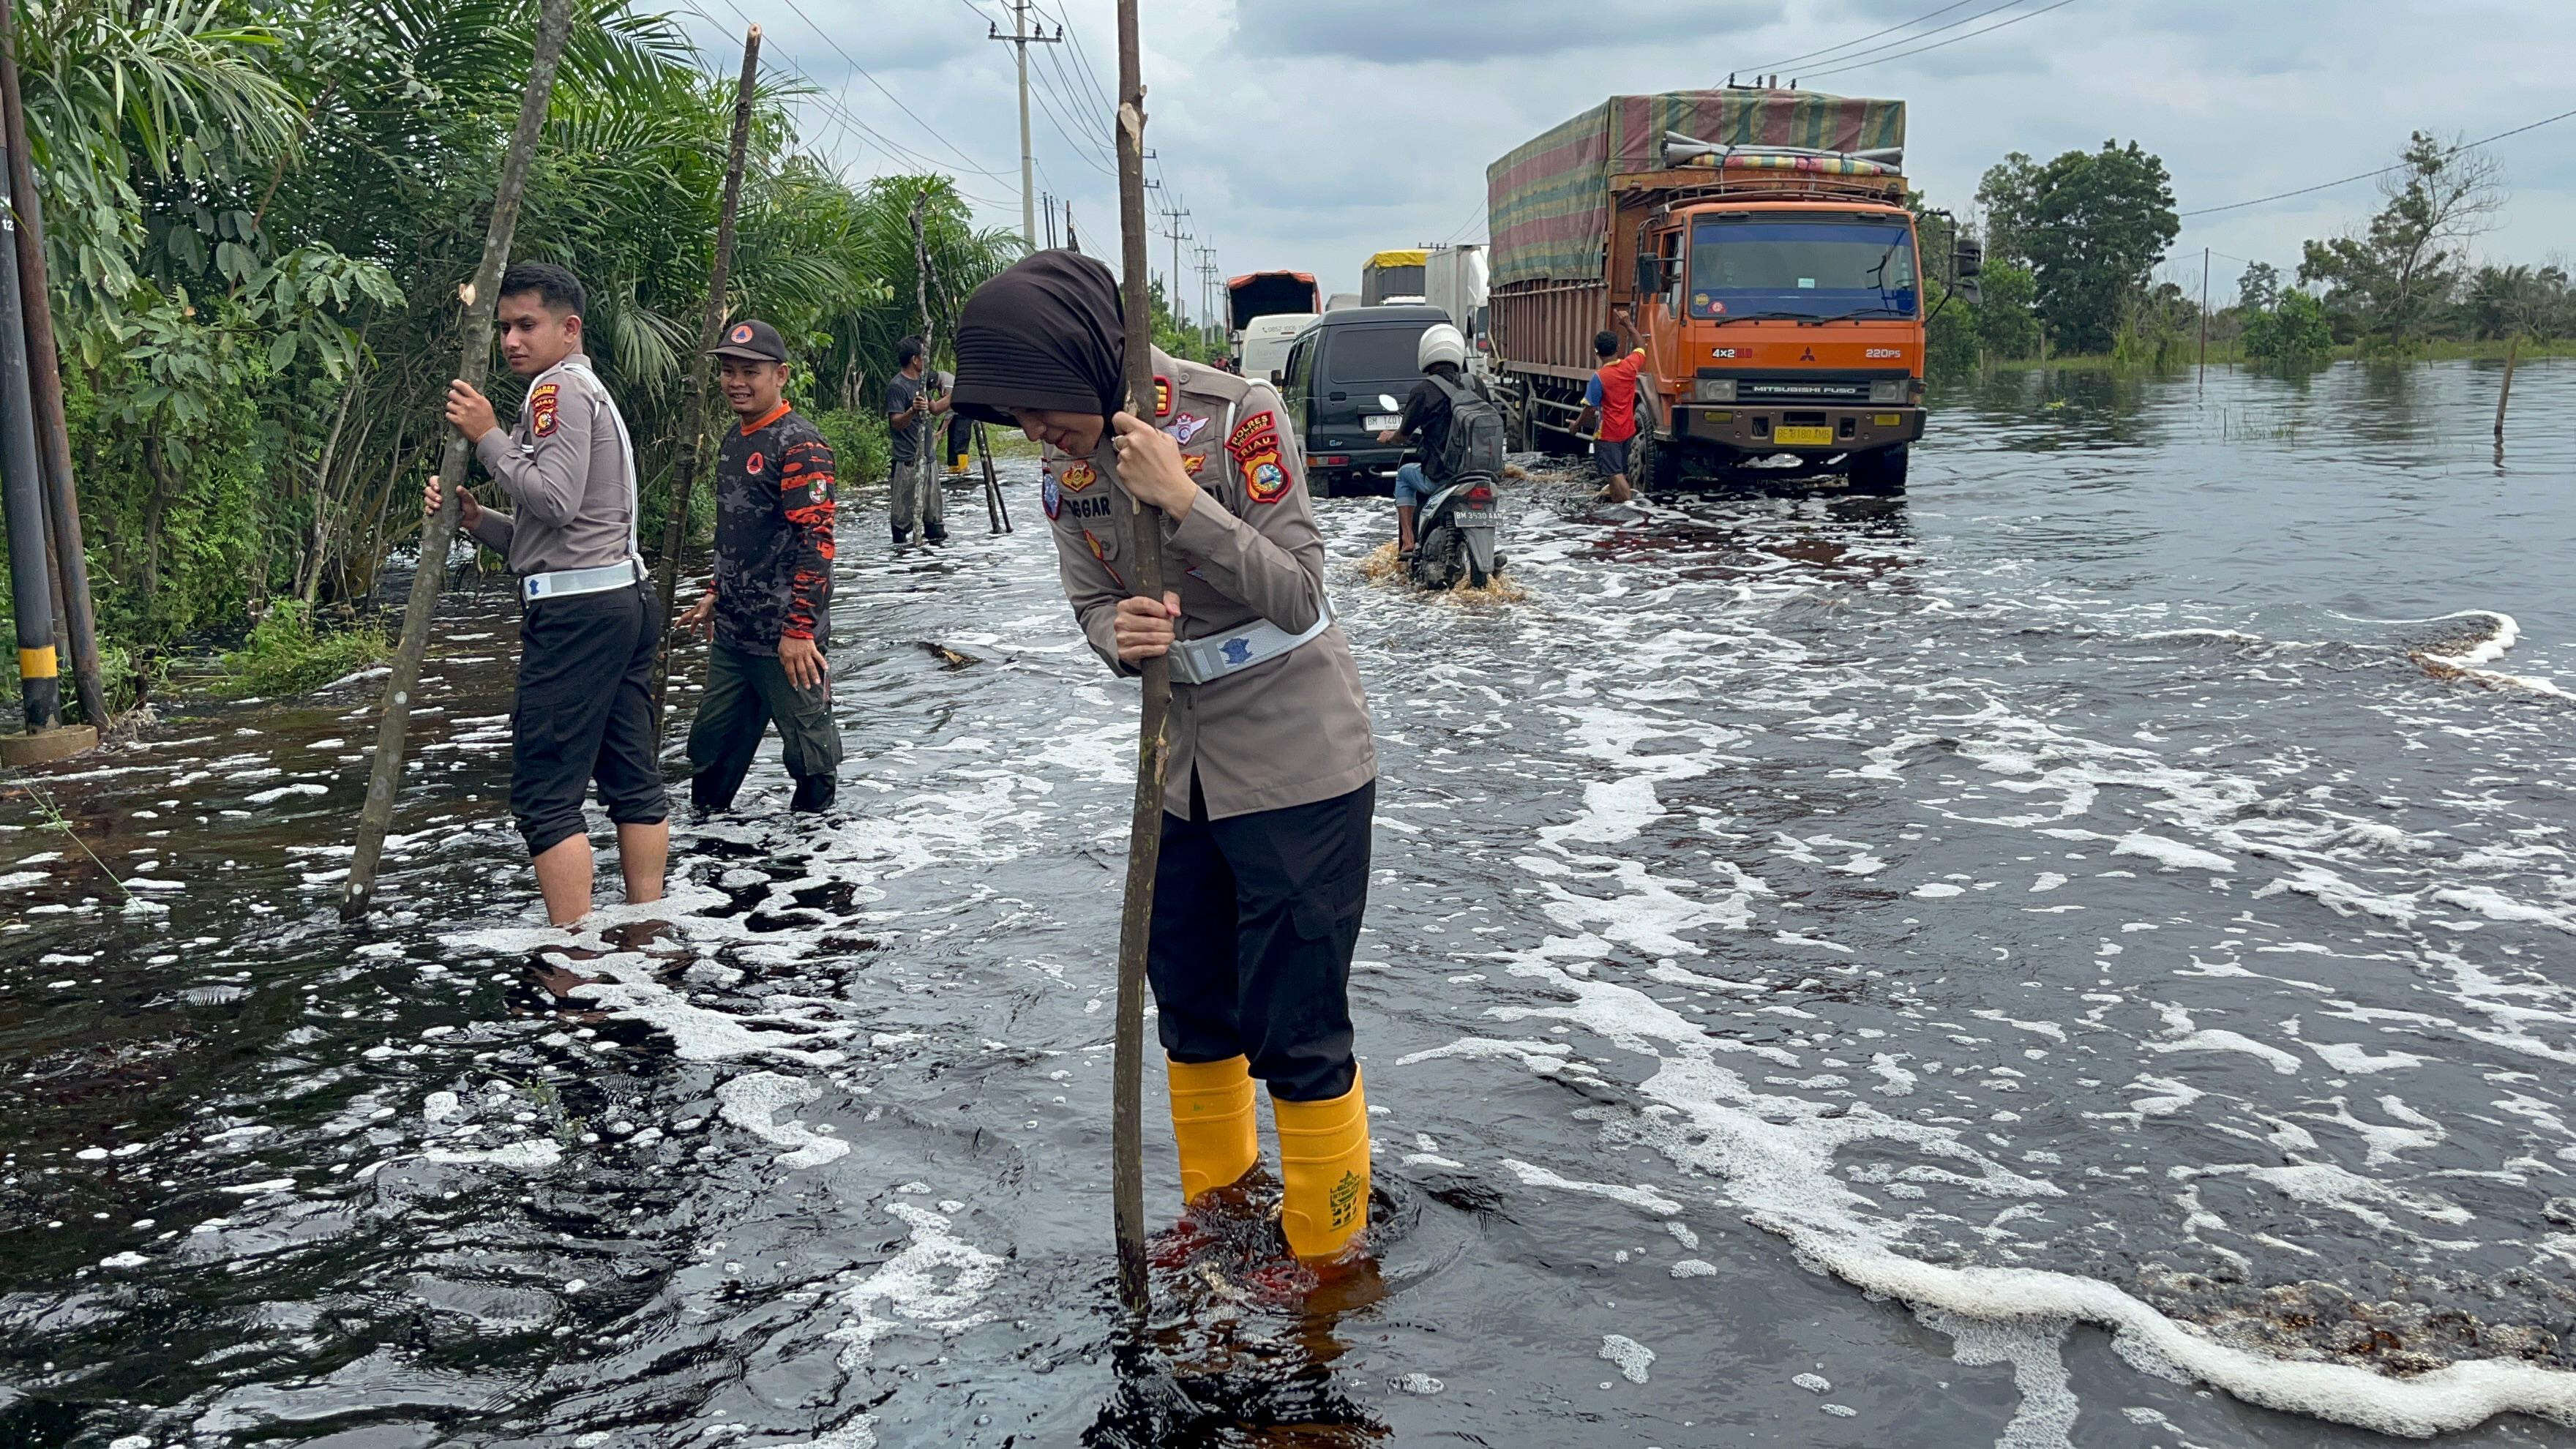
(36, 663)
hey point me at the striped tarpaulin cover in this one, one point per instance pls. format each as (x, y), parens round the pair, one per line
(1549, 198)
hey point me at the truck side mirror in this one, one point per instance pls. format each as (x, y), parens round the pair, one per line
(1647, 273)
(1277, 378)
(1967, 258)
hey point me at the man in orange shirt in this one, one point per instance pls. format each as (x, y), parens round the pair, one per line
(1611, 400)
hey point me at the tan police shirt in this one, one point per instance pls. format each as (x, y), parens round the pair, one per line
(1287, 731)
(565, 468)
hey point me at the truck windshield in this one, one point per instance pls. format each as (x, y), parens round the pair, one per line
(1858, 268)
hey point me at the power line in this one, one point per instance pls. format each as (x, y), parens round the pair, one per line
(1873, 35)
(889, 95)
(1050, 97)
(1075, 106)
(2382, 171)
(1953, 40)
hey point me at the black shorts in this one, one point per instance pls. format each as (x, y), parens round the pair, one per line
(1255, 919)
(1610, 457)
(584, 712)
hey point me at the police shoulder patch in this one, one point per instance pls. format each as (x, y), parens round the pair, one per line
(545, 409)
(1254, 436)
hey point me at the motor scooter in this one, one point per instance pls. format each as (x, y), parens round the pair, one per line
(1455, 530)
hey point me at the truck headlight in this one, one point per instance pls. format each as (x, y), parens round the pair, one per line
(1714, 390)
(1891, 390)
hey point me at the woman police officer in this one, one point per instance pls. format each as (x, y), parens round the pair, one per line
(1272, 775)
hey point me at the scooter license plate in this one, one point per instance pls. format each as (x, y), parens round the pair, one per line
(1381, 422)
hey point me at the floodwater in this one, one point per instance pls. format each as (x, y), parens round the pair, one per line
(2077, 955)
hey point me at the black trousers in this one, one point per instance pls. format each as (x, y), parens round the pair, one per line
(584, 712)
(745, 692)
(1255, 919)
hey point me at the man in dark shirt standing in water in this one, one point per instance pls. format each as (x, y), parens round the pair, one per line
(909, 409)
(770, 609)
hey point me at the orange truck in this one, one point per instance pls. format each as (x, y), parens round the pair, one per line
(1757, 244)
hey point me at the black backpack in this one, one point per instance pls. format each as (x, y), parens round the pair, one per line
(1474, 445)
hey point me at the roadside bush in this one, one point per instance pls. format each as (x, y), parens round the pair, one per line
(285, 654)
(861, 452)
(2292, 332)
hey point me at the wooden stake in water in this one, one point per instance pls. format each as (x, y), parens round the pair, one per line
(438, 531)
(693, 411)
(2204, 317)
(1145, 830)
(2504, 394)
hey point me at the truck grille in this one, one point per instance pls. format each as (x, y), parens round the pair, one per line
(1801, 389)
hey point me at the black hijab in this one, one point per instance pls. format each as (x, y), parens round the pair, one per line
(1049, 332)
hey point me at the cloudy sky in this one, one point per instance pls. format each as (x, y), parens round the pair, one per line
(1306, 134)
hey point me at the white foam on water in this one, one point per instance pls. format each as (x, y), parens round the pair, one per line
(753, 1100)
(1631, 1356)
(2045, 1418)
(1641, 1197)
(2171, 853)
(932, 1285)
(533, 1154)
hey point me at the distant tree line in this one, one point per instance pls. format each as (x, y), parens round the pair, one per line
(2073, 246)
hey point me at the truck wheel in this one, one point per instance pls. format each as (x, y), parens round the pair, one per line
(1656, 463)
(1881, 471)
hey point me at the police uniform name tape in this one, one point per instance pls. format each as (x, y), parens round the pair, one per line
(564, 582)
(1196, 661)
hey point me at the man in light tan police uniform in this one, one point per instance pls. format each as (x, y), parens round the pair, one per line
(1272, 776)
(588, 620)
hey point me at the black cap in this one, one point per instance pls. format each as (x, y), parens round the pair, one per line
(753, 342)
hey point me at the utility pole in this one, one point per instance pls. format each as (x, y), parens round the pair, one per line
(1020, 40)
(1211, 326)
(1172, 228)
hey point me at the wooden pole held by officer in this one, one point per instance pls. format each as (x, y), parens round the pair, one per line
(693, 411)
(1145, 831)
(438, 531)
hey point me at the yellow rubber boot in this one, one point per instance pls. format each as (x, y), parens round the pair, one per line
(1324, 1165)
(1212, 1122)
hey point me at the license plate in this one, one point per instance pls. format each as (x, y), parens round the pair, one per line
(1381, 422)
(1802, 437)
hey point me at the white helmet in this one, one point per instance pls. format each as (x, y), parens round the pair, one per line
(1440, 343)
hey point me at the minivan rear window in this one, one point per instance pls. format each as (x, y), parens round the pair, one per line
(1375, 354)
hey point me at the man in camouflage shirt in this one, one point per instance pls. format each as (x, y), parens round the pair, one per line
(770, 608)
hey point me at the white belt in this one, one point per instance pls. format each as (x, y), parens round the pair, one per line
(581, 581)
(1197, 661)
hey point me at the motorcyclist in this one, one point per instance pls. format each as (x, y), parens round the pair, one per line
(1442, 353)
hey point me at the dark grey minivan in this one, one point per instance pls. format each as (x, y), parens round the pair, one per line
(1338, 376)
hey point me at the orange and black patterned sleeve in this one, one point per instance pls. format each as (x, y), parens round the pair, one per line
(805, 492)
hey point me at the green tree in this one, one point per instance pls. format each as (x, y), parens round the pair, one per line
(2258, 288)
(2292, 332)
(2394, 280)
(2091, 225)
(2007, 324)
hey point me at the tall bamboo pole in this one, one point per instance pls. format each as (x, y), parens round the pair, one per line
(1145, 831)
(438, 531)
(45, 384)
(693, 411)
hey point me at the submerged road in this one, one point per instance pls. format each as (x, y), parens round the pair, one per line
(1831, 964)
